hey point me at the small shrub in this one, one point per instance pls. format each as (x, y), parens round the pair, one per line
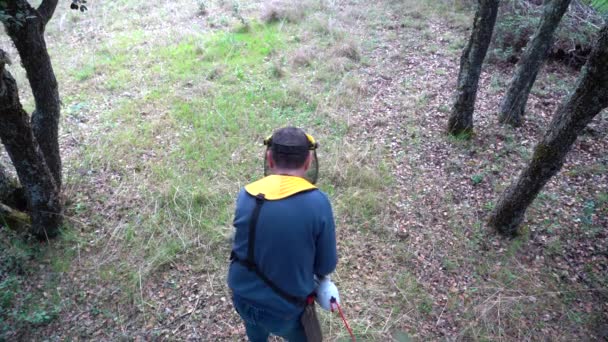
(281, 10)
(477, 178)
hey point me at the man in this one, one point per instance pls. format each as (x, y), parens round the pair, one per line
(272, 270)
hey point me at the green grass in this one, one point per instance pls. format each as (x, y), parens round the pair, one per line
(208, 143)
(414, 294)
(193, 157)
(413, 21)
(183, 133)
(85, 73)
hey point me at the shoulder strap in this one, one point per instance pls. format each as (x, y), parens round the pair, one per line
(250, 261)
(253, 222)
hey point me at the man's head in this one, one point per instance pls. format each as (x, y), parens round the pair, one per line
(289, 151)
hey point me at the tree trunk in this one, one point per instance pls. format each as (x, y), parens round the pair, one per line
(16, 135)
(514, 104)
(588, 99)
(461, 118)
(11, 193)
(7, 184)
(29, 41)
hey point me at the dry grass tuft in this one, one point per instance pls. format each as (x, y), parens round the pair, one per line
(276, 69)
(340, 65)
(298, 92)
(354, 166)
(326, 26)
(349, 91)
(302, 57)
(215, 73)
(281, 10)
(348, 49)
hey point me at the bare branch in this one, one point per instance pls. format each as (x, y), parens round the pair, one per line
(46, 9)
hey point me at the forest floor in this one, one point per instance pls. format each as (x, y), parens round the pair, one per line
(165, 106)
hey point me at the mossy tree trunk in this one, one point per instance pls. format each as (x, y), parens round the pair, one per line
(32, 143)
(30, 43)
(461, 117)
(588, 99)
(514, 103)
(17, 220)
(18, 138)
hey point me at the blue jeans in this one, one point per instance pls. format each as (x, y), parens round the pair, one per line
(259, 324)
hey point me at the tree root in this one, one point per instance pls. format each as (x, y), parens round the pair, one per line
(15, 219)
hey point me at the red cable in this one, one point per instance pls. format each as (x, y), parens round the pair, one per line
(350, 331)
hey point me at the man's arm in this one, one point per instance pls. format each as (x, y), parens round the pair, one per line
(239, 237)
(326, 256)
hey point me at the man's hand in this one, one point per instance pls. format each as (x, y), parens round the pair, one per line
(327, 293)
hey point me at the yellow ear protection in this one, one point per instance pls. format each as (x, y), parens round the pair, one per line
(313, 172)
(312, 143)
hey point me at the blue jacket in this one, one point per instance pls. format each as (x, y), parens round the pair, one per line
(295, 239)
